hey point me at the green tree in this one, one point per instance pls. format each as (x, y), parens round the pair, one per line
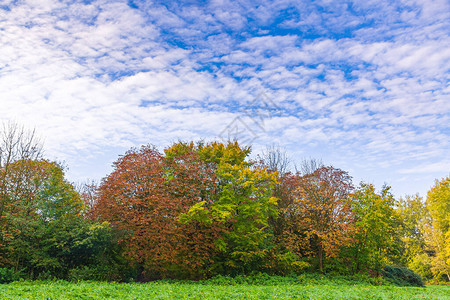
(242, 203)
(49, 235)
(412, 214)
(376, 238)
(17, 147)
(44, 204)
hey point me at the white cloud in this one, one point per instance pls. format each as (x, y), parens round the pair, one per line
(367, 84)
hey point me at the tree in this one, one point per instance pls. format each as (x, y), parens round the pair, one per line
(276, 160)
(376, 236)
(144, 197)
(290, 242)
(43, 216)
(17, 146)
(321, 207)
(132, 199)
(438, 227)
(88, 192)
(242, 203)
(412, 213)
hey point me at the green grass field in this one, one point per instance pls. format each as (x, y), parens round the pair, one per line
(164, 290)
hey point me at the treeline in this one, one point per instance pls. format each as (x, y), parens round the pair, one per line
(201, 209)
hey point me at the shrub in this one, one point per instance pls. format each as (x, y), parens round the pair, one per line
(101, 273)
(8, 275)
(84, 273)
(402, 276)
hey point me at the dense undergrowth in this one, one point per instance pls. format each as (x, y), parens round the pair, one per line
(391, 276)
(271, 280)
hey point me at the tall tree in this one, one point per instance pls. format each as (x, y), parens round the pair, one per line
(275, 159)
(376, 234)
(145, 195)
(17, 146)
(438, 227)
(41, 216)
(289, 238)
(242, 204)
(323, 210)
(412, 214)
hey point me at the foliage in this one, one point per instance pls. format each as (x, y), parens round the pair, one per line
(205, 209)
(321, 209)
(48, 235)
(376, 228)
(8, 275)
(421, 264)
(437, 229)
(242, 203)
(402, 276)
(412, 213)
(18, 146)
(144, 197)
(200, 204)
(41, 217)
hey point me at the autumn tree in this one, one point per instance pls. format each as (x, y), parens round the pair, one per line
(322, 210)
(145, 195)
(289, 238)
(132, 198)
(437, 229)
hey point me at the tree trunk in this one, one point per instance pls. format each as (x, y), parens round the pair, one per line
(321, 258)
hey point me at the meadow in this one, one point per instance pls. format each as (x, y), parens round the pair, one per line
(191, 290)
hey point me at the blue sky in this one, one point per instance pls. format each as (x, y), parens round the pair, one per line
(362, 85)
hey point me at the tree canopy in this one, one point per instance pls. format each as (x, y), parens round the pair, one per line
(200, 209)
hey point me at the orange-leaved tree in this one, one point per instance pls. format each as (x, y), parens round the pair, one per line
(321, 208)
(144, 196)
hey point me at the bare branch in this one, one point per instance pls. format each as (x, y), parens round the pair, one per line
(276, 159)
(17, 145)
(309, 166)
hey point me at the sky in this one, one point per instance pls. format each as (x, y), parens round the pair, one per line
(363, 85)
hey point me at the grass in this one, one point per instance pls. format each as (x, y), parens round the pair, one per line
(205, 290)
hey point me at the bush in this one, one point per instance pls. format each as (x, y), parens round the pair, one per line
(84, 273)
(402, 276)
(8, 275)
(101, 273)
